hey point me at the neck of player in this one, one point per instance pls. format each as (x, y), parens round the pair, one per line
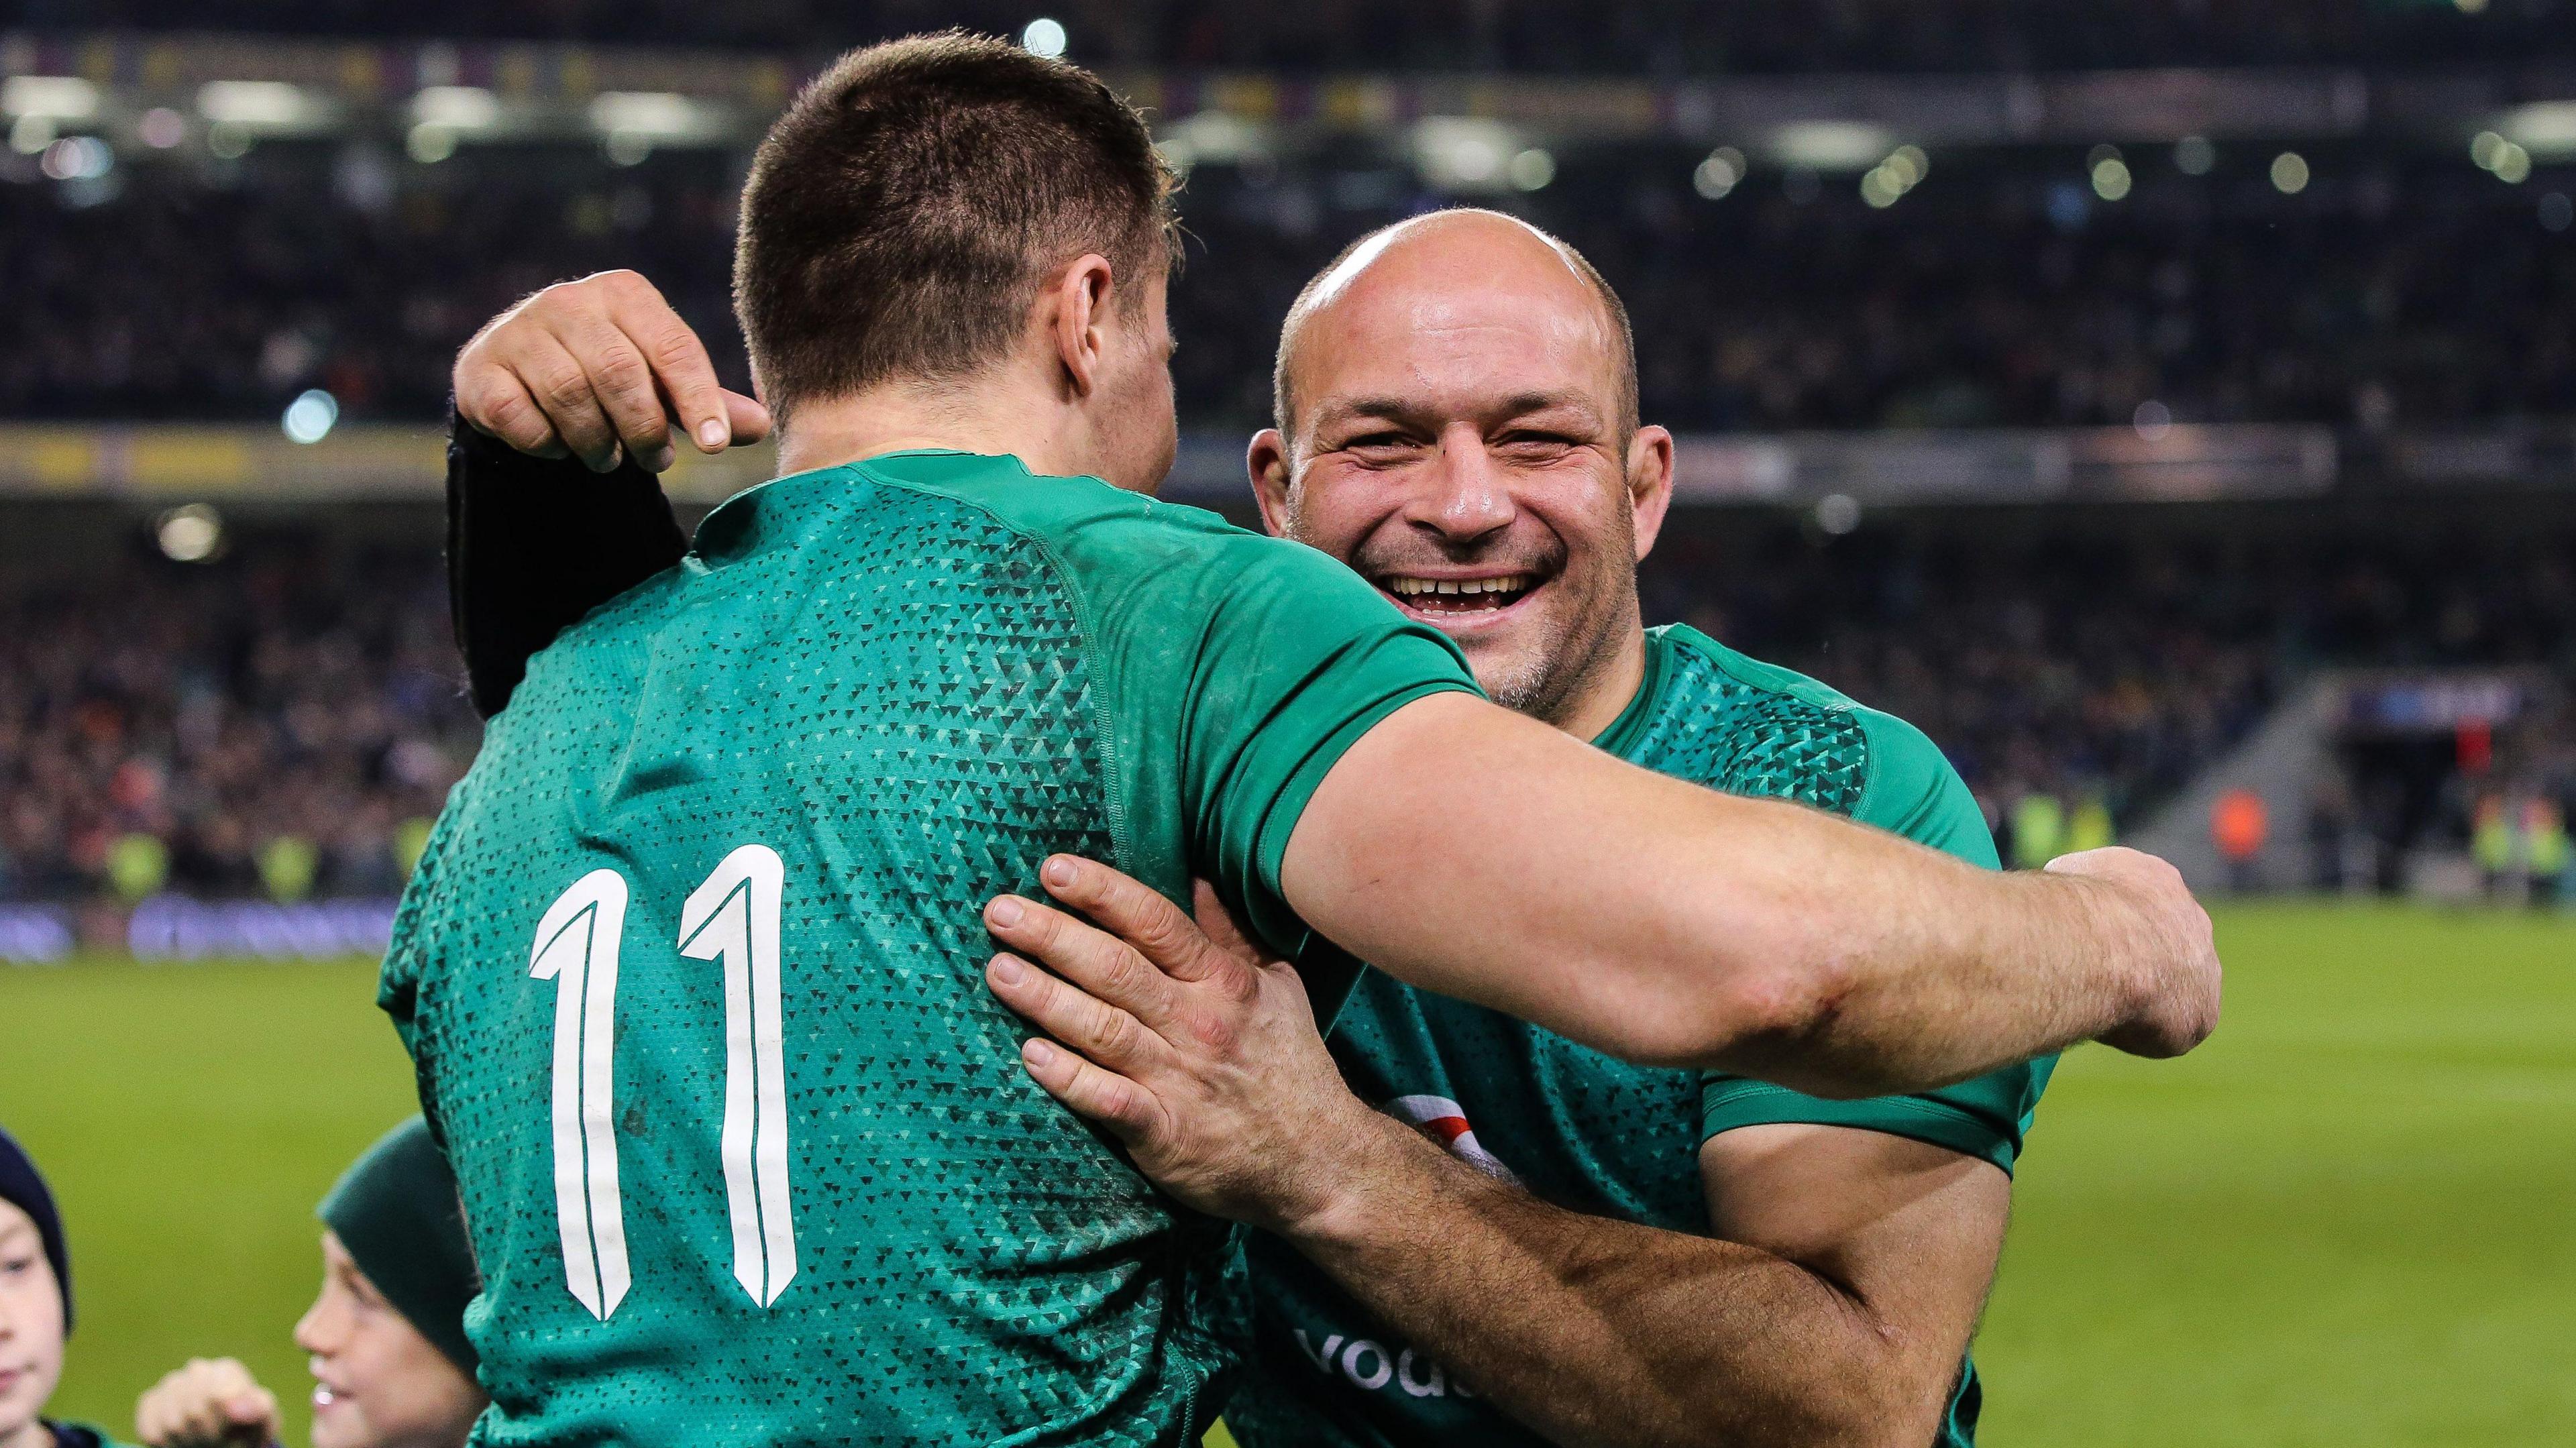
(1606, 685)
(995, 414)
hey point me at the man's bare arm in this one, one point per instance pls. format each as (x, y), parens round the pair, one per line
(1831, 1306)
(1467, 850)
(1599, 1332)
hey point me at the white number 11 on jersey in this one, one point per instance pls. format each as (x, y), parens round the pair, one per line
(731, 918)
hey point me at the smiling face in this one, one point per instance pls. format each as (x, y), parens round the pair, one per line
(377, 1383)
(1460, 406)
(31, 1330)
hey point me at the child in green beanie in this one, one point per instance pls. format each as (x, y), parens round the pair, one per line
(391, 1365)
(35, 1308)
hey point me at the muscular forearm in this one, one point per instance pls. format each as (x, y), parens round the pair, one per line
(1468, 851)
(1600, 1332)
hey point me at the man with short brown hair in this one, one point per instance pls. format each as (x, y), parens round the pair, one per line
(691, 969)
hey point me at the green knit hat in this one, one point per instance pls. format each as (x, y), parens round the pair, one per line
(397, 1213)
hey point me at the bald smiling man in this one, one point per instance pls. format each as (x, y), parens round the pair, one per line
(1473, 1230)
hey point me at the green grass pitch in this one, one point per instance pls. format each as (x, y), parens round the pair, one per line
(2344, 1222)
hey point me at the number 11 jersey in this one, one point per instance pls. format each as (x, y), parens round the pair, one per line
(692, 969)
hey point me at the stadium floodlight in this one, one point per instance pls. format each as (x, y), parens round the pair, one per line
(2111, 179)
(1830, 145)
(1464, 153)
(1212, 138)
(190, 534)
(2289, 173)
(1718, 175)
(78, 158)
(259, 105)
(161, 128)
(310, 416)
(1044, 36)
(2547, 129)
(1888, 181)
(660, 117)
(1531, 170)
(458, 109)
(54, 97)
(429, 144)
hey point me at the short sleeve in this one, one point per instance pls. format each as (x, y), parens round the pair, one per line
(1241, 668)
(1911, 790)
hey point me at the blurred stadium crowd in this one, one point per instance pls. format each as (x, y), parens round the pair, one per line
(284, 722)
(1531, 35)
(2379, 300)
(281, 725)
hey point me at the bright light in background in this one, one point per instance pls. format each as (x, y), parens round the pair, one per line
(228, 140)
(1531, 170)
(2193, 155)
(309, 417)
(2109, 172)
(161, 128)
(2289, 173)
(257, 105)
(2152, 420)
(430, 144)
(1044, 37)
(1830, 145)
(656, 116)
(1216, 137)
(30, 135)
(78, 158)
(1887, 182)
(193, 534)
(1463, 152)
(456, 108)
(1837, 513)
(57, 97)
(2504, 159)
(2546, 128)
(1717, 175)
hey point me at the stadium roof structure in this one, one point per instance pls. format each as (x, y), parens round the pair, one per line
(244, 88)
(192, 462)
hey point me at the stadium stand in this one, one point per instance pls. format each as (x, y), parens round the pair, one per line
(282, 722)
(1671, 36)
(2008, 297)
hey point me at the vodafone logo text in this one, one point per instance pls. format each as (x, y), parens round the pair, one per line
(1370, 1368)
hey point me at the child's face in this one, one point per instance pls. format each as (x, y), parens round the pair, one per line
(31, 1325)
(377, 1382)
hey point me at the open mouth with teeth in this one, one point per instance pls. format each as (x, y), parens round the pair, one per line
(1458, 598)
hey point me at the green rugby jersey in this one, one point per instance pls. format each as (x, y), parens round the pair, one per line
(692, 969)
(1579, 1128)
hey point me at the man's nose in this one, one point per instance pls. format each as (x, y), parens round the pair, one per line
(1463, 496)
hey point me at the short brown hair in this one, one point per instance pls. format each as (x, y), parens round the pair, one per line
(898, 212)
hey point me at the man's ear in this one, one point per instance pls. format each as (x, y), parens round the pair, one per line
(1080, 303)
(1650, 484)
(1267, 461)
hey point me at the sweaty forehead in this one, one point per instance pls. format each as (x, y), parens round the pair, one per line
(1447, 312)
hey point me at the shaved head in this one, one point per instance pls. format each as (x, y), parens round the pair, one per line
(1465, 250)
